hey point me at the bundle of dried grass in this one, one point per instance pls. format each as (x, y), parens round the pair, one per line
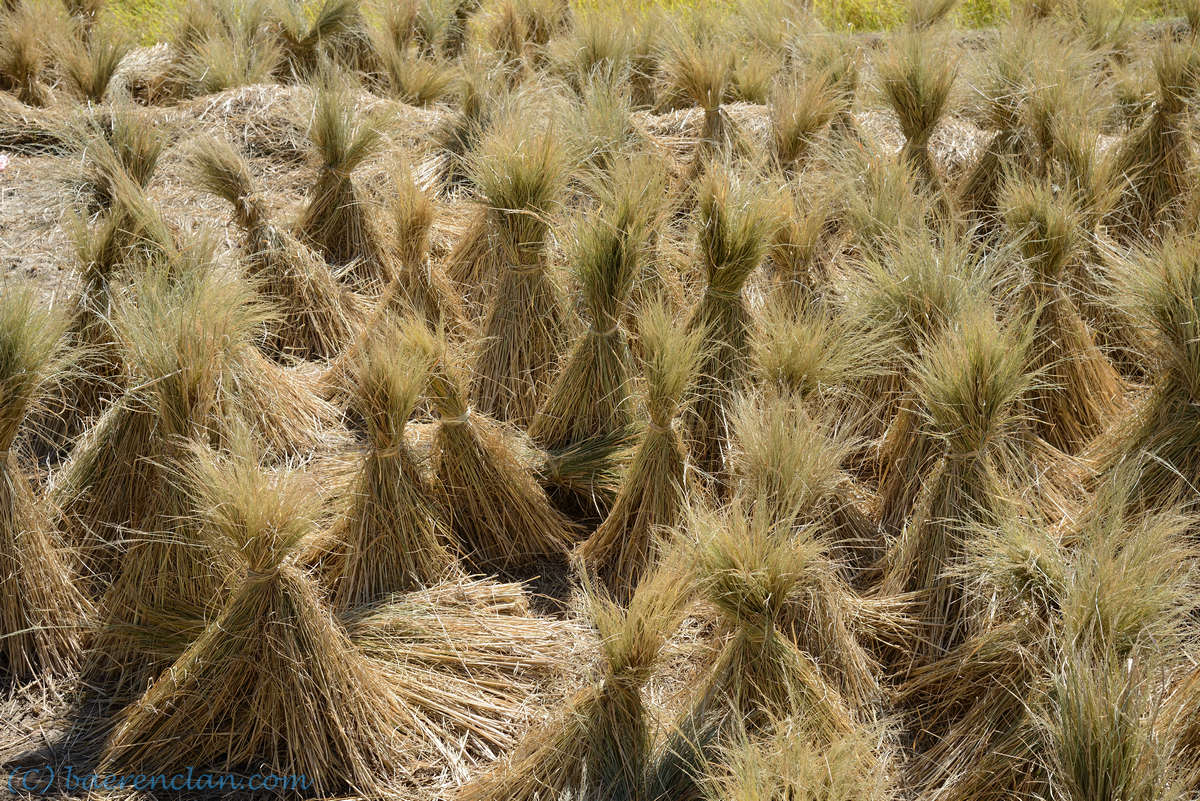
(129, 237)
(24, 54)
(317, 315)
(413, 77)
(734, 222)
(273, 683)
(520, 170)
(748, 569)
(419, 285)
(181, 335)
(916, 80)
(1161, 289)
(240, 52)
(840, 59)
(975, 708)
(1079, 392)
(788, 465)
(698, 70)
(653, 492)
(457, 134)
(970, 383)
(499, 514)
(800, 108)
(42, 611)
(910, 294)
(334, 30)
(823, 358)
(801, 245)
(590, 396)
(599, 744)
(1155, 158)
(880, 203)
(89, 64)
(393, 537)
(1034, 84)
(788, 764)
(125, 145)
(336, 222)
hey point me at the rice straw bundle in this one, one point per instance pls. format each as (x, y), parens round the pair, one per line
(1155, 158)
(599, 744)
(822, 358)
(520, 171)
(479, 629)
(126, 144)
(977, 704)
(417, 288)
(273, 683)
(970, 383)
(419, 285)
(181, 335)
(787, 763)
(590, 396)
(499, 514)
(23, 54)
(1162, 290)
(698, 71)
(733, 225)
(1079, 392)
(1033, 87)
(799, 247)
(393, 537)
(910, 293)
(789, 466)
(308, 37)
(840, 60)
(881, 205)
(317, 315)
(42, 612)
(748, 570)
(916, 83)
(336, 222)
(456, 135)
(653, 492)
(800, 109)
(89, 60)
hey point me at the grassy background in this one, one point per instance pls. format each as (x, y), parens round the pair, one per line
(150, 18)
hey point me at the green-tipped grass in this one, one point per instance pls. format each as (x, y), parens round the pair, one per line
(42, 610)
(733, 226)
(652, 495)
(520, 171)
